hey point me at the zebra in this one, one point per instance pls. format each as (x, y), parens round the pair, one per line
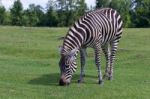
(101, 30)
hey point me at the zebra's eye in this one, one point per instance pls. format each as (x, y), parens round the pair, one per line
(67, 66)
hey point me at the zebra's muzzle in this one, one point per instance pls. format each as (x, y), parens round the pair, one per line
(63, 83)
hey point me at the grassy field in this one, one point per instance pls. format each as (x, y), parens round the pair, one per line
(29, 67)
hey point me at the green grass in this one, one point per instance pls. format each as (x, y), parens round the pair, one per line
(29, 67)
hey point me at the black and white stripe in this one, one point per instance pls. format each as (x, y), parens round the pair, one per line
(99, 29)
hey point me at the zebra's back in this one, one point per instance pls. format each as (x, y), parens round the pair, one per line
(101, 25)
(114, 18)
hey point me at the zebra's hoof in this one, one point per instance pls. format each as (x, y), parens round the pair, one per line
(80, 81)
(83, 75)
(110, 78)
(100, 82)
(105, 76)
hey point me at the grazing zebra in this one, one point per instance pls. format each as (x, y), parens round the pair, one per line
(100, 29)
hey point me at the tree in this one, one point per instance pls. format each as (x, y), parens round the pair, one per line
(40, 14)
(33, 15)
(70, 10)
(51, 17)
(2, 15)
(102, 3)
(16, 13)
(81, 7)
(7, 19)
(141, 13)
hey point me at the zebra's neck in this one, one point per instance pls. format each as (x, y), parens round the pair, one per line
(73, 40)
(67, 48)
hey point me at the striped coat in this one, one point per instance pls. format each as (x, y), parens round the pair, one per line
(100, 29)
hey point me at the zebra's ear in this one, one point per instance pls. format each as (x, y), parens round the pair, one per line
(72, 52)
(61, 38)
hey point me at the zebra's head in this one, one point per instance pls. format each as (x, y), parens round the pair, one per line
(67, 66)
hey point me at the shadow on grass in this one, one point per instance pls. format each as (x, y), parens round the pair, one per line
(52, 79)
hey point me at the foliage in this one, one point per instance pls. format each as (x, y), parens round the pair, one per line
(70, 10)
(32, 15)
(141, 13)
(51, 14)
(16, 13)
(102, 3)
(2, 15)
(81, 8)
(135, 13)
(7, 18)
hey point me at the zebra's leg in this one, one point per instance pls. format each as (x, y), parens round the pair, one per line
(82, 60)
(106, 51)
(97, 61)
(113, 45)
